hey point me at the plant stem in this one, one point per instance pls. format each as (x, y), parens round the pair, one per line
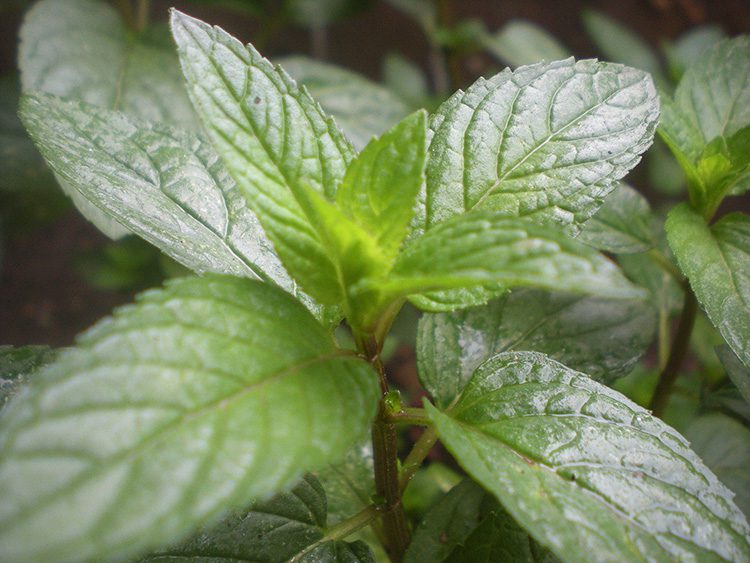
(416, 456)
(679, 348)
(141, 15)
(385, 458)
(409, 415)
(343, 529)
(126, 12)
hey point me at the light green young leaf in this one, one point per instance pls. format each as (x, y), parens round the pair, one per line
(620, 44)
(724, 446)
(274, 139)
(81, 49)
(468, 525)
(602, 337)
(521, 42)
(588, 473)
(737, 372)
(716, 261)
(164, 184)
(484, 249)
(623, 225)
(361, 107)
(274, 531)
(547, 141)
(16, 363)
(690, 46)
(214, 378)
(382, 183)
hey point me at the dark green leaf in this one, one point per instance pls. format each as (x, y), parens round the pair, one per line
(487, 250)
(620, 44)
(274, 531)
(274, 139)
(521, 42)
(229, 384)
(585, 471)
(469, 525)
(16, 364)
(724, 446)
(547, 141)
(623, 225)
(166, 185)
(601, 337)
(737, 372)
(361, 107)
(382, 183)
(716, 261)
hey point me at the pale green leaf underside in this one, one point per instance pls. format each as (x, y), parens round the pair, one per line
(723, 444)
(623, 225)
(691, 45)
(547, 141)
(484, 249)
(521, 42)
(274, 531)
(274, 139)
(468, 525)
(81, 49)
(585, 471)
(716, 261)
(601, 337)
(618, 43)
(164, 184)
(195, 400)
(362, 108)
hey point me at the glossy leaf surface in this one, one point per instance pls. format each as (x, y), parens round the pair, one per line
(716, 261)
(164, 184)
(274, 139)
(588, 473)
(274, 531)
(547, 141)
(484, 249)
(602, 337)
(215, 379)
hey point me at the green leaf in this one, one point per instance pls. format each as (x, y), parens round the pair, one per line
(320, 13)
(16, 364)
(547, 141)
(664, 172)
(229, 383)
(382, 183)
(620, 44)
(623, 225)
(166, 185)
(648, 271)
(274, 139)
(737, 372)
(274, 531)
(712, 100)
(361, 107)
(716, 261)
(424, 11)
(349, 485)
(584, 470)
(469, 525)
(81, 49)
(405, 79)
(602, 337)
(484, 249)
(729, 456)
(690, 46)
(521, 42)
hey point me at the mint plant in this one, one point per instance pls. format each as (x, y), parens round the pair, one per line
(219, 418)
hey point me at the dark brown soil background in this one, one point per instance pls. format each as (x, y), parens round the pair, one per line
(43, 300)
